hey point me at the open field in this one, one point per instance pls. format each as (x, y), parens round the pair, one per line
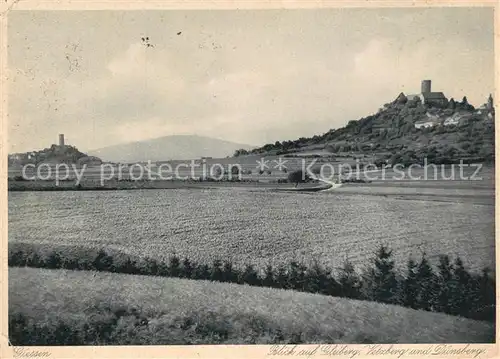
(261, 227)
(151, 310)
(86, 185)
(244, 223)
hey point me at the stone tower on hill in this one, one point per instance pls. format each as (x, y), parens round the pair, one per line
(61, 140)
(426, 86)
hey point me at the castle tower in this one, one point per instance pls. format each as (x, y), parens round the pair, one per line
(426, 86)
(61, 140)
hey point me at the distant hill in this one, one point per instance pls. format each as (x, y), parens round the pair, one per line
(404, 131)
(179, 147)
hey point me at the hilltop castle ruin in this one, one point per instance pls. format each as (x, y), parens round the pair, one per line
(426, 96)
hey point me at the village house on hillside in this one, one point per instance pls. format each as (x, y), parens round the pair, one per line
(437, 100)
(453, 120)
(425, 124)
(487, 109)
(430, 121)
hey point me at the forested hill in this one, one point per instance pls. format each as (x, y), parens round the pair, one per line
(407, 131)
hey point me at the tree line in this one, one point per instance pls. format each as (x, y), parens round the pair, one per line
(447, 287)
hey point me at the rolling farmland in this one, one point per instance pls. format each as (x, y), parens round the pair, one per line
(255, 226)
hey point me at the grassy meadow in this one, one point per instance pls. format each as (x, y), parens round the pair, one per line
(109, 308)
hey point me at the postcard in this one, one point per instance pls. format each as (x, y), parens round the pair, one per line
(248, 179)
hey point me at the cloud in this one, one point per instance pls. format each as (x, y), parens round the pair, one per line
(132, 63)
(151, 100)
(232, 80)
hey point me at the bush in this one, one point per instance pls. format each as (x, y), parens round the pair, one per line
(249, 276)
(427, 285)
(129, 326)
(229, 274)
(269, 279)
(331, 148)
(349, 281)
(235, 170)
(316, 170)
(240, 152)
(410, 287)
(188, 269)
(174, 266)
(216, 173)
(54, 261)
(380, 163)
(297, 177)
(216, 271)
(103, 262)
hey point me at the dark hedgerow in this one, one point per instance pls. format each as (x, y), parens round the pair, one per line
(450, 288)
(216, 271)
(229, 273)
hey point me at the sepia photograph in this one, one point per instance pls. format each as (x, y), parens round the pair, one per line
(251, 176)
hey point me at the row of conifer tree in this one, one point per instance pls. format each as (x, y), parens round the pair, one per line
(446, 287)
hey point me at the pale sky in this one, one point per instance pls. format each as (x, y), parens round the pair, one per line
(245, 76)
